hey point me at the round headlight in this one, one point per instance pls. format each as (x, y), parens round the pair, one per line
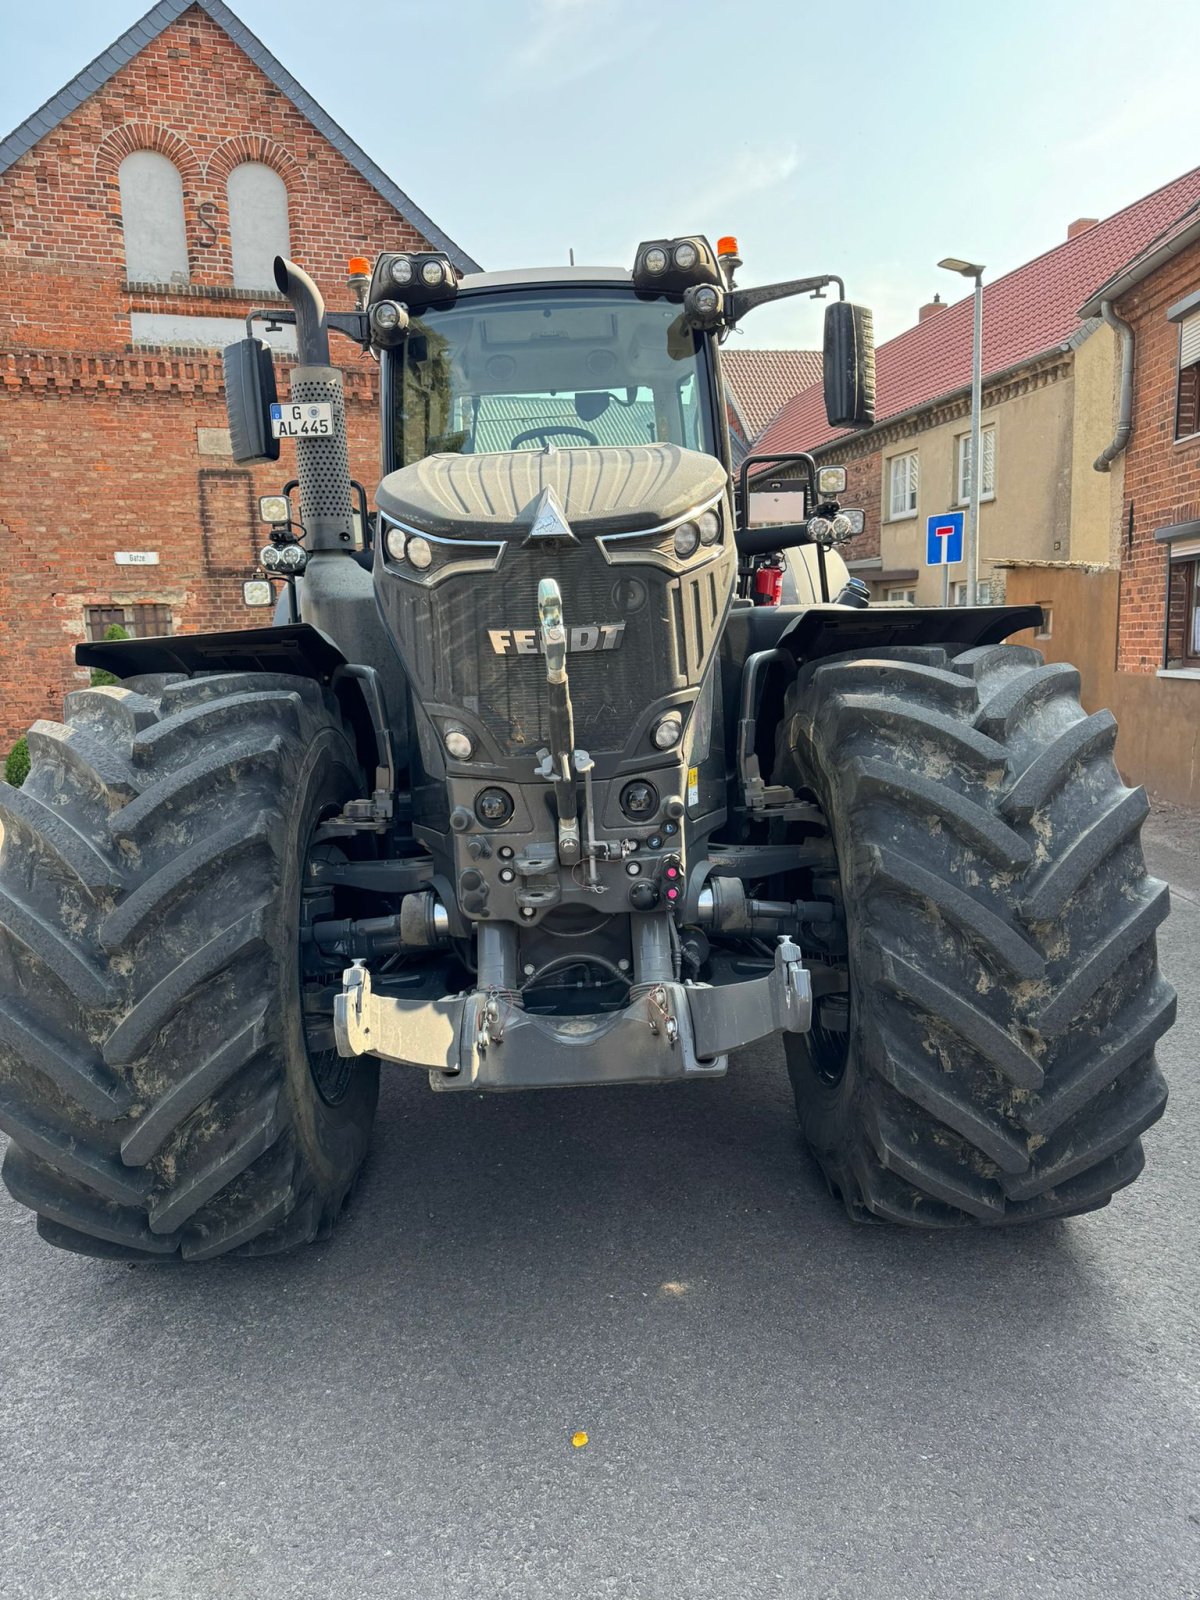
(687, 539)
(668, 731)
(639, 800)
(292, 558)
(393, 543)
(710, 527)
(268, 557)
(433, 273)
(386, 315)
(493, 806)
(419, 552)
(706, 301)
(820, 529)
(686, 256)
(401, 270)
(458, 744)
(841, 528)
(655, 260)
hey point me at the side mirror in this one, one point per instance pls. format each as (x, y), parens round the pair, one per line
(849, 369)
(590, 404)
(249, 395)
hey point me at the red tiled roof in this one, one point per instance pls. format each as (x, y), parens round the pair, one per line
(761, 382)
(1172, 239)
(1025, 313)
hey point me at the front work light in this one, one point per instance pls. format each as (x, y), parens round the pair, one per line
(676, 264)
(273, 508)
(703, 306)
(831, 481)
(389, 319)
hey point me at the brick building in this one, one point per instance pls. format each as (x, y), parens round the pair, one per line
(140, 209)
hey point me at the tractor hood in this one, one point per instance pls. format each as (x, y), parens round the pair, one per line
(613, 489)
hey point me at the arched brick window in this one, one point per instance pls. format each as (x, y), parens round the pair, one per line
(258, 223)
(152, 218)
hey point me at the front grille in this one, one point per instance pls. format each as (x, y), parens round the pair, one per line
(671, 625)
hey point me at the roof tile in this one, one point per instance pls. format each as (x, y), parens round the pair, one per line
(761, 382)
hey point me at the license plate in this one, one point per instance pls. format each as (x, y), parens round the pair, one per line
(314, 421)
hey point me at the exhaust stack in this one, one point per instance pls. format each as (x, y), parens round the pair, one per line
(322, 462)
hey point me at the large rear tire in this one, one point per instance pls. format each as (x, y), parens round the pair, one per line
(997, 1061)
(155, 1077)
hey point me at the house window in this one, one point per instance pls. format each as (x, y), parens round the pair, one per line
(987, 479)
(902, 486)
(983, 593)
(258, 224)
(152, 219)
(1046, 629)
(140, 621)
(900, 597)
(1183, 613)
(1187, 400)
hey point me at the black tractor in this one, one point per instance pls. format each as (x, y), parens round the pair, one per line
(535, 783)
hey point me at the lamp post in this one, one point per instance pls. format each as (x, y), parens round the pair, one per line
(970, 269)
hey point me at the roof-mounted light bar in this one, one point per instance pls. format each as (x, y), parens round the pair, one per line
(674, 265)
(414, 279)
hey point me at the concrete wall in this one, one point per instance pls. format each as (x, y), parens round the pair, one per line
(1159, 740)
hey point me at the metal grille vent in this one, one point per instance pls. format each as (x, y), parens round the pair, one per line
(323, 465)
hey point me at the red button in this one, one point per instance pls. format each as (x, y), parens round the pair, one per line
(672, 894)
(671, 872)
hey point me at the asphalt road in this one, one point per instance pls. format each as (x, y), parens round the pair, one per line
(778, 1404)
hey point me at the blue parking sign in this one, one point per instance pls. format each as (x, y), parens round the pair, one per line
(944, 539)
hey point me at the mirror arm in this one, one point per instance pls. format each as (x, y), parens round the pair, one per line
(742, 300)
(354, 325)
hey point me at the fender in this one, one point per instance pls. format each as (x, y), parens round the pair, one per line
(298, 649)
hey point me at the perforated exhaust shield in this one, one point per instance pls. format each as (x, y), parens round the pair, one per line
(323, 464)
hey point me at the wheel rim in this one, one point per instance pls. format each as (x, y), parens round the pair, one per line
(829, 1038)
(331, 1072)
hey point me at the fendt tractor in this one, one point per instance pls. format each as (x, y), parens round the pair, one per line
(580, 760)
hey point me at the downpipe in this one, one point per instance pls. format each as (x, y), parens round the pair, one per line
(1120, 439)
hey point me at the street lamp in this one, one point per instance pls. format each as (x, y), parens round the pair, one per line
(971, 269)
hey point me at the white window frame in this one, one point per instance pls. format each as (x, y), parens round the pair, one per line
(912, 488)
(904, 596)
(987, 436)
(983, 592)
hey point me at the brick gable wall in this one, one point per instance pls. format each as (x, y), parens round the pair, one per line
(104, 447)
(1162, 477)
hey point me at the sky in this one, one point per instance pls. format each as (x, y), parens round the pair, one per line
(865, 139)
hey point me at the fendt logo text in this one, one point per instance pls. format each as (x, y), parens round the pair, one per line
(525, 641)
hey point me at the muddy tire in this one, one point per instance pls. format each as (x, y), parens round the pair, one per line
(154, 1075)
(996, 1061)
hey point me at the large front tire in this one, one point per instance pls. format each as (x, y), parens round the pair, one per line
(997, 1061)
(155, 1078)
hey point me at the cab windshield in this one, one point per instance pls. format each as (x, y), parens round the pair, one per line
(520, 369)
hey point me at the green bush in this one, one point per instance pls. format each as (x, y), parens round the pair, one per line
(16, 765)
(99, 676)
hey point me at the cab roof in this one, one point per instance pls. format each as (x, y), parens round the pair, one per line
(542, 275)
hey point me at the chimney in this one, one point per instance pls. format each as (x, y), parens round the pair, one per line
(931, 308)
(1081, 225)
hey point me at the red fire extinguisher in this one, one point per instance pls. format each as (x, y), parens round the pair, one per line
(768, 582)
